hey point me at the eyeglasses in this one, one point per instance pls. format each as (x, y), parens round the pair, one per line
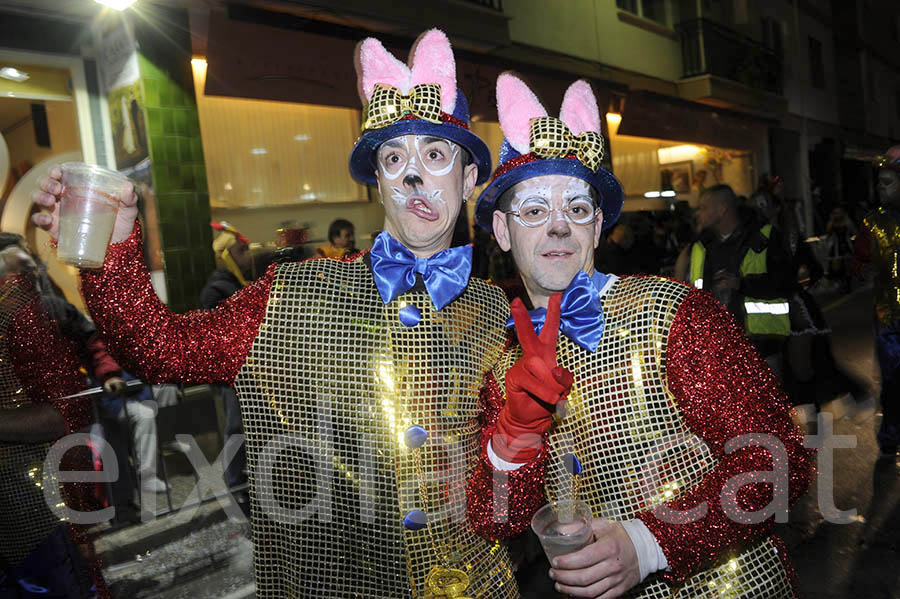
(536, 211)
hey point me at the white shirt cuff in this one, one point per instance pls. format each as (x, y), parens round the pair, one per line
(650, 555)
(501, 464)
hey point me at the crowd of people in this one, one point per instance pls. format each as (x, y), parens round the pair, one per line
(390, 418)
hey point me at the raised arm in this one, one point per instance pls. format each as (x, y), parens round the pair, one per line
(724, 390)
(203, 346)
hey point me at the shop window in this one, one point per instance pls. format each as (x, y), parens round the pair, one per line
(261, 153)
(816, 64)
(652, 10)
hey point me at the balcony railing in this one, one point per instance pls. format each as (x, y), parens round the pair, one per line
(708, 48)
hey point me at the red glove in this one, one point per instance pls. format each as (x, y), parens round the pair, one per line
(534, 385)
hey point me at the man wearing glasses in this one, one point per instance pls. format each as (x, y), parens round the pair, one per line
(670, 403)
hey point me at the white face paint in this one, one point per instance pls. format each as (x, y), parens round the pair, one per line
(576, 188)
(401, 197)
(528, 189)
(432, 145)
(436, 155)
(390, 162)
(422, 188)
(549, 255)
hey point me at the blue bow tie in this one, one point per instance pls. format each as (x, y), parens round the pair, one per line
(581, 315)
(394, 269)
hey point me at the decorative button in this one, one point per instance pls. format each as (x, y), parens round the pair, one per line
(415, 520)
(410, 315)
(415, 437)
(572, 463)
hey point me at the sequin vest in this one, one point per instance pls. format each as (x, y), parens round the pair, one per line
(25, 519)
(335, 394)
(637, 453)
(885, 231)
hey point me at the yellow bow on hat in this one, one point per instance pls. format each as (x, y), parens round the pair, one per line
(388, 105)
(551, 138)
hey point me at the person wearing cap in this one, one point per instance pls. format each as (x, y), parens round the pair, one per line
(878, 244)
(358, 378)
(666, 389)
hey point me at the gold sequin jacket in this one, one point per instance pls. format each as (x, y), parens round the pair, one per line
(335, 392)
(653, 417)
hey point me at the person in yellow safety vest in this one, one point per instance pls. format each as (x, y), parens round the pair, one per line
(738, 262)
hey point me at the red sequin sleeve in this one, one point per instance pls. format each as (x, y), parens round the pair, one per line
(202, 346)
(46, 363)
(500, 503)
(725, 391)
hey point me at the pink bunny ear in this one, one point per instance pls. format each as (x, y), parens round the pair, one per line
(579, 108)
(433, 62)
(377, 65)
(516, 106)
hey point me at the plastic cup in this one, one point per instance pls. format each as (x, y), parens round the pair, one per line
(88, 207)
(563, 527)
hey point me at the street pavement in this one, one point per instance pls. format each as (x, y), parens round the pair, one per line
(843, 543)
(858, 558)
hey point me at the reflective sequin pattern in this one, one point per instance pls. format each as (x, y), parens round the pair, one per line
(648, 417)
(35, 365)
(331, 387)
(885, 231)
(500, 504)
(203, 346)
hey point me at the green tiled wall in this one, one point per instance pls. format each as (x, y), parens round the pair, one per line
(179, 176)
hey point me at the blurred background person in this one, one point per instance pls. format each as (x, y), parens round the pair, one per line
(341, 240)
(738, 261)
(102, 369)
(841, 231)
(878, 244)
(615, 254)
(811, 375)
(43, 358)
(235, 271)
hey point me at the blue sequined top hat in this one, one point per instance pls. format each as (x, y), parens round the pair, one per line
(421, 99)
(536, 144)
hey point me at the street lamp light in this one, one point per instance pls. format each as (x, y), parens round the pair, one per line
(116, 4)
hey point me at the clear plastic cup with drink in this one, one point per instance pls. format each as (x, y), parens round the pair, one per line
(563, 527)
(89, 203)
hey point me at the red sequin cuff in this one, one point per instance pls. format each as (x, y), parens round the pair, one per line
(500, 503)
(147, 339)
(725, 393)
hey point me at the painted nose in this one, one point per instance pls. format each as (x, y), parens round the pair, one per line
(412, 180)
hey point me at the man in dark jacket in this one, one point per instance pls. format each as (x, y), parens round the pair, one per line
(745, 267)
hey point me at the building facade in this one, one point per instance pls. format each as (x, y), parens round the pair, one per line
(246, 111)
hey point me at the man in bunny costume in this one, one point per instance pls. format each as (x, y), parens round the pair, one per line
(358, 378)
(673, 423)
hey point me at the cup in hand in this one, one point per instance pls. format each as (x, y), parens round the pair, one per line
(563, 527)
(88, 206)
